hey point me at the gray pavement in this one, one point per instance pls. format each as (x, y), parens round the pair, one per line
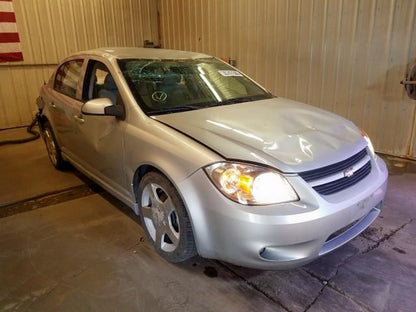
(26, 171)
(74, 247)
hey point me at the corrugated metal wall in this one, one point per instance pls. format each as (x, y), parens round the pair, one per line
(52, 29)
(347, 56)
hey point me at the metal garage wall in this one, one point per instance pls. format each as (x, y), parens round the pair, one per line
(51, 29)
(345, 56)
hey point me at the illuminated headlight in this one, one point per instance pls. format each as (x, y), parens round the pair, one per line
(369, 144)
(251, 185)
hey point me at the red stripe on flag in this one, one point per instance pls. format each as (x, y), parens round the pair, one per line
(7, 17)
(9, 41)
(9, 37)
(11, 57)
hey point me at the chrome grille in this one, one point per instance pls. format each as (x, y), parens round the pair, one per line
(331, 179)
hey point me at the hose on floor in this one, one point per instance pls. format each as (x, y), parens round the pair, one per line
(35, 134)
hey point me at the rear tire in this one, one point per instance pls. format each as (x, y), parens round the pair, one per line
(164, 218)
(52, 147)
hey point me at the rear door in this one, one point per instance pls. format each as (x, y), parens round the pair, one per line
(63, 100)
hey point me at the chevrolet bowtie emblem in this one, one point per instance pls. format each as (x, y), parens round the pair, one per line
(349, 172)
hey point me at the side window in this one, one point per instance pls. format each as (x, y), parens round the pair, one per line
(67, 77)
(99, 83)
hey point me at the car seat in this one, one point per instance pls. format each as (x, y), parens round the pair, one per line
(109, 89)
(176, 92)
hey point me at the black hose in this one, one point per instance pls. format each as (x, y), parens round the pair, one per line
(29, 129)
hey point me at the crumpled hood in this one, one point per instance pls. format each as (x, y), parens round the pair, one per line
(278, 132)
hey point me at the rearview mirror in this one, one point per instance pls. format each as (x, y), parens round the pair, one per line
(102, 107)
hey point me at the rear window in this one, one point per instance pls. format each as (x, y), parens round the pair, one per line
(67, 77)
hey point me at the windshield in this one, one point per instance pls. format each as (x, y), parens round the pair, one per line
(168, 86)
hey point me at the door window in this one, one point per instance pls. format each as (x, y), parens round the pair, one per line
(67, 78)
(99, 83)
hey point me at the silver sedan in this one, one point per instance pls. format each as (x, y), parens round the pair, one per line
(212, 163)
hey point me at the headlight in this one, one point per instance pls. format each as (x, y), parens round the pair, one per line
(250, 184)
(369, 144)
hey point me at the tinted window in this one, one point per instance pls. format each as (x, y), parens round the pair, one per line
(67, 77)
(166, 86)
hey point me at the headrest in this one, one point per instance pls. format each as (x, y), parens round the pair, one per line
(109, 83)
(171, 79)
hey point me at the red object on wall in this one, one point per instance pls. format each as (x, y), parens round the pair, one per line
(9, 37)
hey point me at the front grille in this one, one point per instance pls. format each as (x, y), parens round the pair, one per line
(343, 183)
(335, 169)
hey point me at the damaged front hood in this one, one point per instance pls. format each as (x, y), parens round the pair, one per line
(285, 134)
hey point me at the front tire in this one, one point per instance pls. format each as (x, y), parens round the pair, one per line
(165, 219)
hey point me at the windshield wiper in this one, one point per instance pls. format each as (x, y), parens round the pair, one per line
(239, 100)
(176, 109)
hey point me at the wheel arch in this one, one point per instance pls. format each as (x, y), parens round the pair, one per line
(42, 120)
(141, 171)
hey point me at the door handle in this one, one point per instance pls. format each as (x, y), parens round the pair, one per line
(79, 119)
(52, 105)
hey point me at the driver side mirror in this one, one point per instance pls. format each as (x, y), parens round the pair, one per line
(103, 107)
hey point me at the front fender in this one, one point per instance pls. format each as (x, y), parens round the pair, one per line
(172, 153)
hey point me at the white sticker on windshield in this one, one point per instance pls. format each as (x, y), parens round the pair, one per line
(230, 73)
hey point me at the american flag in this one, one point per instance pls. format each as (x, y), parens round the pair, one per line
(9, 37)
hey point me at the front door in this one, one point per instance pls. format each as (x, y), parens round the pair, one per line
(99, 147)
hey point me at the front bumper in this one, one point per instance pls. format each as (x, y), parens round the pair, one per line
(281, 236)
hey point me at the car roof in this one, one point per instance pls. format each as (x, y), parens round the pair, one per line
(142, 53)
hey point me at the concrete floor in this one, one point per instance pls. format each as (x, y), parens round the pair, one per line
(66, 245)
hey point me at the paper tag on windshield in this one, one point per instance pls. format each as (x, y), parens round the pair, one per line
(230, 73)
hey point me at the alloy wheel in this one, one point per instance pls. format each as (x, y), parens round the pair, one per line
(51, 147)
(160, 217)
